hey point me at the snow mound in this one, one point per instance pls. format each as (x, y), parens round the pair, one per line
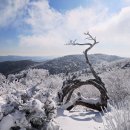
(90, 120)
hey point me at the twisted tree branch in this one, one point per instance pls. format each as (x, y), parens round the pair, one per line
(70, 85)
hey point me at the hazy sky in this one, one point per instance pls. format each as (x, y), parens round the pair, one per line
(43, 27)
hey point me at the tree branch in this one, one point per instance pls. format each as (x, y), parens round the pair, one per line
(71, 84)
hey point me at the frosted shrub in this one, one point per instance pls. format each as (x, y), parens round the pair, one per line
(28, 100)
(118, 118)
(117, 83)
(34, 76)
(2, 78)
(28, 113)
(2, 84)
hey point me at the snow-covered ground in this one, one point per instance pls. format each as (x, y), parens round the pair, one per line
(88, 120)
(19, 94)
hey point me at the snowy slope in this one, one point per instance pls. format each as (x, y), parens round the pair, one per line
(89, 120)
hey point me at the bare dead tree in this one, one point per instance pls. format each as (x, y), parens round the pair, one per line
(71, 84)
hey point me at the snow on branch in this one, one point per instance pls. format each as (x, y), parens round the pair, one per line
(70, 85)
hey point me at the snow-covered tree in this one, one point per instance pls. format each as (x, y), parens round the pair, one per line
(71, 84)
(29, 102)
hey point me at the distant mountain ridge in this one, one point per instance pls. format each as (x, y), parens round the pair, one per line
(18, 58)
(72, 63)
(69, 63)
(11, 67)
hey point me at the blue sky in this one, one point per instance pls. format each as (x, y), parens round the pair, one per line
(63, 5)
(43, 27)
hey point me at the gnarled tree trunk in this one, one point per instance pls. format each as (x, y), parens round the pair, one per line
(72, 84)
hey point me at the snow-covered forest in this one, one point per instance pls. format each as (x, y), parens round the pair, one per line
(28, 101)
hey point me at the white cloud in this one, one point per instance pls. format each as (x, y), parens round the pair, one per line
(10, 9)
(41, 17)
(52, 29)
(115, 31)
(126, 1)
